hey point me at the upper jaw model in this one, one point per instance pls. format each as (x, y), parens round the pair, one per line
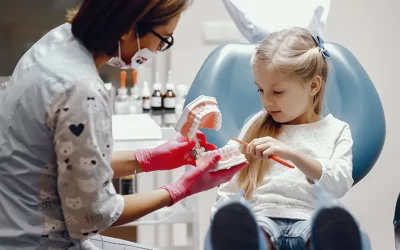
(203, 112)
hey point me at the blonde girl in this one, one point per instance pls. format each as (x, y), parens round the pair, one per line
(290, 70)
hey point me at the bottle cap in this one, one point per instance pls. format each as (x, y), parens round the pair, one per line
(169, 86)
(122, 91)
(157, 86)
(123, 79)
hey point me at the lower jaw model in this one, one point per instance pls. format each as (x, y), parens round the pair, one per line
(203, 112)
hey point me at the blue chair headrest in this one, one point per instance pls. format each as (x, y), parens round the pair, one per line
(350, 96)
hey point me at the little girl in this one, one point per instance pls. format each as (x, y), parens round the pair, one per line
(290, 69)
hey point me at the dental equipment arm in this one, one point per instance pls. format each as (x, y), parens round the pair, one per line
(257, 19)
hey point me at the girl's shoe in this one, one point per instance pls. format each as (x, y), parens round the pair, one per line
(234, 227)
(335, 229)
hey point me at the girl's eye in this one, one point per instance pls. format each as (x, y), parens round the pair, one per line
(278, 92)
(259, 90)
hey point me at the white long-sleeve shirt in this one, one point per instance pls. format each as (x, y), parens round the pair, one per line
(285, 192)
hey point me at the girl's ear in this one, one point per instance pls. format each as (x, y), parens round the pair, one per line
(315, 85)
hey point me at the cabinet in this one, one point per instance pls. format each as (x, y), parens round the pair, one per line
(170, 228)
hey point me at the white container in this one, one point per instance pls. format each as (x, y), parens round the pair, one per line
(122, 102)
(146, 96)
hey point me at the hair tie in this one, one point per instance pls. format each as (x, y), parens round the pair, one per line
(320, 44)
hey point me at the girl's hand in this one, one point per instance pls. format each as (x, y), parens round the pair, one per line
(263, 148)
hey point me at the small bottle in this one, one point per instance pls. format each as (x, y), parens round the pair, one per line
(122, 100)
(169, 99)
(146, 97)
(135, 100)
(156, 98)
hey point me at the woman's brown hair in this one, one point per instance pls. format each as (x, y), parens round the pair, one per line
(100, 24)
(294, 53)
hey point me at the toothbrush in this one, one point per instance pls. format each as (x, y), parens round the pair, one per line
(273, 157)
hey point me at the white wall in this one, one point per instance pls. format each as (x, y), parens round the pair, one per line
(370, 29)
(189, 51)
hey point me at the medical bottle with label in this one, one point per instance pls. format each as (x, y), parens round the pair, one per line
(156, 97)
(169, 98)
(122, 100)
(135, 101)
(146, 97)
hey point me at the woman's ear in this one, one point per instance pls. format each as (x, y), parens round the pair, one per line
(315, 85)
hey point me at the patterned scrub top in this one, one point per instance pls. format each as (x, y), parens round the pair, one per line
(55, 149)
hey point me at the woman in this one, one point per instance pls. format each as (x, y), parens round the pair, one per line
(56, 159)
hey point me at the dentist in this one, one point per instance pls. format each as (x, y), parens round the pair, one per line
(56, 146)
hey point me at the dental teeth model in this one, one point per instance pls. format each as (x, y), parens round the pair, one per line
(230, 156)
(203, 112)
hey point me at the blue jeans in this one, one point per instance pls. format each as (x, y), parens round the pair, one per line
(284, 233)
(287, 234)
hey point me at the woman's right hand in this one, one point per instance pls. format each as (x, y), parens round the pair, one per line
(199, 179)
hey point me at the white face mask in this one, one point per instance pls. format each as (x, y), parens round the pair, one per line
(139, 58)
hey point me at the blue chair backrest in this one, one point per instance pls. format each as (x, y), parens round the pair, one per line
(350, 96)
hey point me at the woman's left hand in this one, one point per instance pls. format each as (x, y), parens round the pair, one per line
(171, 154)
(263, 148)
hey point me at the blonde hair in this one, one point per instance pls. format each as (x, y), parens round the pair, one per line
(294, 53)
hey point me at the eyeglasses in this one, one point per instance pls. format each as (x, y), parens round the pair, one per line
(165, 43)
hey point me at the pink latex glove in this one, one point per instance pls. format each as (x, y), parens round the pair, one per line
(199, 179)
(171, 154)
(202, 140)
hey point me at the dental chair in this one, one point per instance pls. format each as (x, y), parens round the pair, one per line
(350, 96)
